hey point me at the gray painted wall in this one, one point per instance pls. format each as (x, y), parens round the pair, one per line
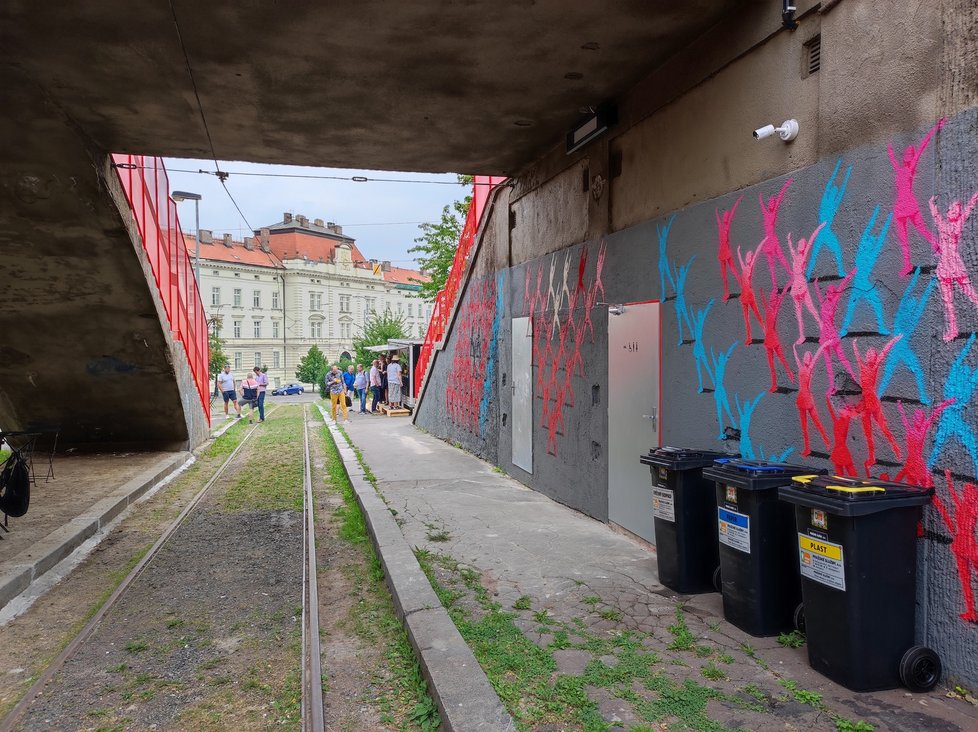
(577, 474)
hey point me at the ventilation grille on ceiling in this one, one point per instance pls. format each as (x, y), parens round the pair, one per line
(812, 58)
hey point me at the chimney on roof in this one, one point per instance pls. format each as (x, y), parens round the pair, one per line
(249, 243)
(303, 221)
(337, 228)
(228, 241)
(286, 218)
(385, 266)
(263, 240)
(318, 222)
(206, 236)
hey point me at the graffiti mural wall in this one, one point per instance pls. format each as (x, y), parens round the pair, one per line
(825, 317)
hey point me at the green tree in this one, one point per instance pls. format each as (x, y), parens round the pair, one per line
(215, 344)
(312, 367)
(379, 328)
(437, 244)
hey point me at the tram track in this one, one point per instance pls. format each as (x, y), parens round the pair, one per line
(311, 695)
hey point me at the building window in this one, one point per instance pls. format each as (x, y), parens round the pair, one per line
(275, 299)
(371, 304)
(215, 296)
(345, 331)
(316, 329)
(258, 358)
(237, 328)
(420, 331)
(274, 329)
(315, 301)
(257, 329)
(237, 297)
(344, 303)
(400, 308)
(256, 299)
(237, 359)
(275, 361)
(410, 309)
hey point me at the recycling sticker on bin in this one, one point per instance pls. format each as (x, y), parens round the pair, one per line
(663, 504)
(821, 561)
(734, 529)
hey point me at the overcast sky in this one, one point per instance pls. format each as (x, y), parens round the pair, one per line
(370, 212)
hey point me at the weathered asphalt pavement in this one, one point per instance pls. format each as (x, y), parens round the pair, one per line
(525, 544)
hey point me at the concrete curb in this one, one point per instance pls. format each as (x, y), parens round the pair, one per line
(51, 549)
(465, 698)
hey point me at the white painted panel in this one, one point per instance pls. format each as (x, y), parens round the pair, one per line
(522, 390)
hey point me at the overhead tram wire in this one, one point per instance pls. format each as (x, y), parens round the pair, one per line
(224, 174)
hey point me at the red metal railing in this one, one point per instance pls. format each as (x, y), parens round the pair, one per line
(147, 189)
(445, 300)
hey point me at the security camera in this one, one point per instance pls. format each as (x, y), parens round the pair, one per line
(787, 131)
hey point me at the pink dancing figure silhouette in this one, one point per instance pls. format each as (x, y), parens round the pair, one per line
(805, 401)
(724, 253)
(906, 209)
(772, 342)
(771, 243)
(914, 470)
(839, 455)
(964, 542)
(747, 300)
(869, 405)
(950, 266)
(828, 305)
(800, 293)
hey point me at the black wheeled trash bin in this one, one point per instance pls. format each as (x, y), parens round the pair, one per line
(857, 553)
(758, 570)
(684, 511)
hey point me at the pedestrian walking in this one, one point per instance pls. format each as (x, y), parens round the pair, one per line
(376, 385)
(337, 392)
(360, 388)
(394, 383)
(262, 378)
(225, 381)
(249, 396)
(383, 380)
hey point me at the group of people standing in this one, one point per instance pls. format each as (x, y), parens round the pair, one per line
(253, 389)
(383, 381)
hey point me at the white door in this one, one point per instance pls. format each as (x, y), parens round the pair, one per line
(522, 390)
(633, 413)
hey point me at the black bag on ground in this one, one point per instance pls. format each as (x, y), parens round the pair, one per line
(349, 402)
(15, 481)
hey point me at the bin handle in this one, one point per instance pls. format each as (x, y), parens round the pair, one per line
(855, 489)
(804, 478)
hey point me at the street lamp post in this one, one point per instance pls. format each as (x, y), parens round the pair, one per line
(179, 196)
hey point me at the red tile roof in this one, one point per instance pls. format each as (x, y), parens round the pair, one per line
(298, 245)
(402, 276)
(235, 254)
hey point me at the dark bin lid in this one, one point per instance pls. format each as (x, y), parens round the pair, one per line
(853, 496)
(680, 458)
(759, 474)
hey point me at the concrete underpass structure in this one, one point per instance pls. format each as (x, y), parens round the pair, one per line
(641, 220)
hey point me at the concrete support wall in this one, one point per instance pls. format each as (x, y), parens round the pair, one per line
(883, 88)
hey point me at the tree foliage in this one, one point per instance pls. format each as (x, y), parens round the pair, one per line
(437, 244)
(215, 345)
(379, 328)
(312, 367)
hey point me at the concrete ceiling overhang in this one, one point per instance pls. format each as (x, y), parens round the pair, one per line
(478, 87)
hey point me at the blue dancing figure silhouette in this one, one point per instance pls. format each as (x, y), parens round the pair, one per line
(905, 321)
(962, 380)
(863, 288)
(775, 458)
(699, 348)
(720, 395)
(827, 210)
(682, 312)
(665, 269)
(745, 411)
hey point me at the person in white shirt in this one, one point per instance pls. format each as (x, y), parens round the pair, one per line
(394, 383)
(225, 382)
(376, 385)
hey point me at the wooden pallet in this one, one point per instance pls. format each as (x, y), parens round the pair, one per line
(391, 412)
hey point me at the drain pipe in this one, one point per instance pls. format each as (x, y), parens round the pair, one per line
(788, 14)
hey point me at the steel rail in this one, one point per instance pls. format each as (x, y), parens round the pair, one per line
(15, 715)
(312, 673)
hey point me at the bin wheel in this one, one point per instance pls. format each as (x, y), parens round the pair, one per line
(920, 669)
(799, 617)
(717, 583)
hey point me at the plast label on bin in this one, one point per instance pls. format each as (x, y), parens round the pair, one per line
(821, 561)
(663, 504)
(734, 529)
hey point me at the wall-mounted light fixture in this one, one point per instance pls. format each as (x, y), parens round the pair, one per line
(787, 131)
(594, 125)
